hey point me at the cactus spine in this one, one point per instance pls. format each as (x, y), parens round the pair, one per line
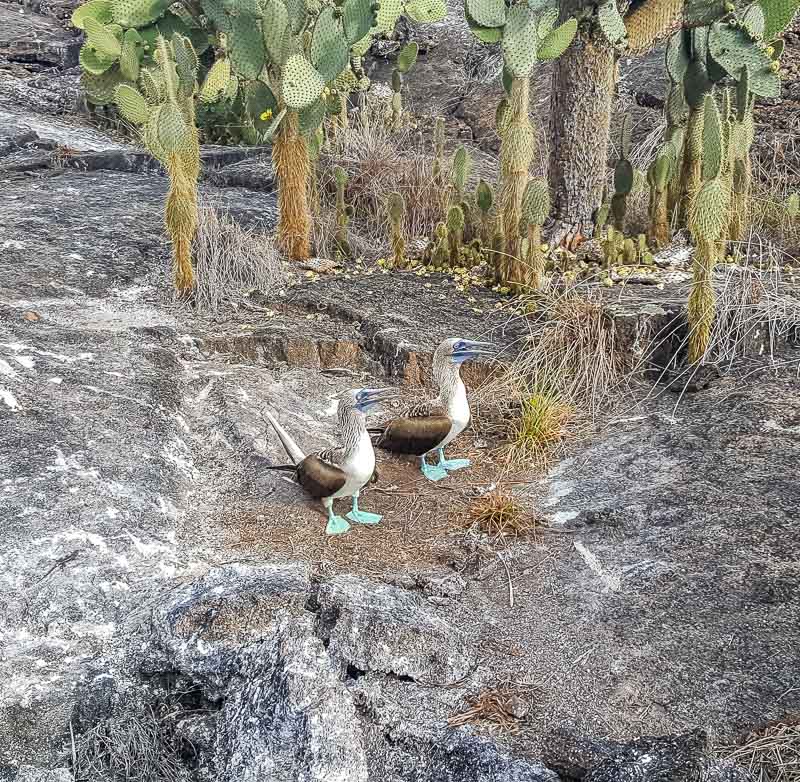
(396, 210)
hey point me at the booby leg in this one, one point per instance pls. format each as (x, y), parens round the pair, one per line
(336, 524)
(361, 516)
(452, 464)
(433, 472)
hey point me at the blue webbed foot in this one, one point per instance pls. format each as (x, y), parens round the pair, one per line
(433, 472)
(454, 464)
(362, 517)
(336, 525)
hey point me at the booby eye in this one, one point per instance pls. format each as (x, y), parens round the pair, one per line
(459, 346)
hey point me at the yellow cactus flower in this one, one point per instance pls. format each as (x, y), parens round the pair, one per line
(266, 116)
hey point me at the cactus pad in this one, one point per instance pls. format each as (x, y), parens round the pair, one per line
(215, 12)
(696, 84)
(174, 133)
(138, 13)
(358, 18)
(753, 22)
(625, 136)
(484, 196)
(100, 88)
(462, 166)
(92, 62)
(246, 47)
(275, 29)
(328, 51)
(455, 219)
(610, 21)
(185, 64)
(311, 117)
(793, 205)
(555, 43)
(395, 207)
(261, 105)
(519, 41)
(426, 11)
(486, 34)
(536, 202)
(677, 56)
(407, 57)
(487, 13)
(778, 14)
(733, 50)
(104, 39)
(131, 55)
(713, 147)
(99, 10)
(297, 15)
(623, 177)
(301, 83)
(710, 213)
(216, 80)
(131, 103)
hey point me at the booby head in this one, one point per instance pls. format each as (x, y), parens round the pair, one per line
(362, 400)
(456, 350)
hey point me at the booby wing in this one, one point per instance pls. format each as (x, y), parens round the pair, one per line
(420, 429)
(319, 477)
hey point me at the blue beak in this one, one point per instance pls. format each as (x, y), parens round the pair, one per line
(367, 398)
(466, 349)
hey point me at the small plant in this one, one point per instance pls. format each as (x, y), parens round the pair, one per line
(396, 209)
(405, 61)
(438, 151)
(793, 206)
(343, 214)
(623, 176)
(535, 209)
(484, 199)
(539, 427)
(459, 174)
(455, 233)
(659, 176)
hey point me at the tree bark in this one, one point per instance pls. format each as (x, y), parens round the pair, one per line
(580, 112)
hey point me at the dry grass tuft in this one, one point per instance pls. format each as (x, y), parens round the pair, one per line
(231, 260)
(378, 162)
(500, 709)
(771, 754)
(499, 515)
(135, 750)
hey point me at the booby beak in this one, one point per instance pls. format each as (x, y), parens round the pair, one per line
(367, 398)
(466, 349)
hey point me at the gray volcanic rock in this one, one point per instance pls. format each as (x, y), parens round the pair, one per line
(291, 717)
(375, 627)
(27, 37)
(202, 627)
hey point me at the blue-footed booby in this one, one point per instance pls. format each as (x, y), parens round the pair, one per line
(341, 471)
(432, 425)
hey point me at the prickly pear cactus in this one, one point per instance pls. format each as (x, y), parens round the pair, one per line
(455, 233)
(535, 210)
(405, 61)
(343, 214)
(459, 174)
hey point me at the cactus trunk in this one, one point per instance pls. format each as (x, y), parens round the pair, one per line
(535, 257)
(580, 119)
(701, 300)
(516, 154)
(180, 217)
(659, 233)
(293, 169)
